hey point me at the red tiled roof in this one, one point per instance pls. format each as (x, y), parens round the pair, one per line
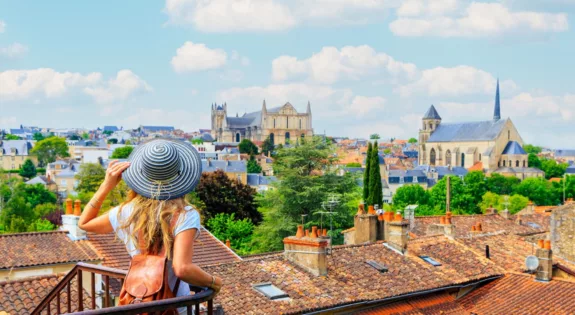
(521, 294)
(23, 295)
(476, 167)
(438, 303)
(349, 279)
(112, 250)
(489, 222)
(43, 248)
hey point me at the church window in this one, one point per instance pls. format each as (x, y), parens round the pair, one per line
(300, 124)
(237, 137)
(508, 134)
(430, 126)
(524, 163)
(448, 157)
(479, 156)
(462, 159)
(432, 157)
(510, 163)
(272, 138)
(517, 163)
(499, 164)
(288, 136)
(503, 163)
(274, 122)
(287, 122)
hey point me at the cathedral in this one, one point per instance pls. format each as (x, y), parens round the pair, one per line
(281, 124)
(493, 146)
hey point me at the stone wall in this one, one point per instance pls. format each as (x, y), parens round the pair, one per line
(562, 231)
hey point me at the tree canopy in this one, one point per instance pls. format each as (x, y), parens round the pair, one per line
(49, 149)
(9, 136)
(412, 140)
(374, 136)
(38, 136)
(28, 170)
(529, 148)
(122, 152)
(375, 187)
(410, 195)
(248, 147)
(225, 227)
(90, 177)
(253, 166)
(267, 146)
(366, 173)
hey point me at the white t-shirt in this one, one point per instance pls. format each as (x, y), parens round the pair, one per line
(188, 219)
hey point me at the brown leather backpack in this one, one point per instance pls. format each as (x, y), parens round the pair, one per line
(147, 278)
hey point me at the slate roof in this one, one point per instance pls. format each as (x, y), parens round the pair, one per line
(226, 166)
(22, 296)
(521, 294)
(570, 169)
(564, 153)
(349, 278)
(40, 180)
(463, 224)
(513, 147)
(258, 179)
(22, 147)
(111, 128)
(469, 131)
(443, 170)
(407, 175)
(518, 170)
(431, 113)
(158, 128)
(43, 248)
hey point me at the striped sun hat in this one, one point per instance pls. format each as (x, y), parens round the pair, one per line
(163, 169)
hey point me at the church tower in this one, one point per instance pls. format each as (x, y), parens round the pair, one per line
(219, 114)
(497, 109)
(430, 121)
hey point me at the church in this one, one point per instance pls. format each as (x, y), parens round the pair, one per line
(493, 146)
(283, 124)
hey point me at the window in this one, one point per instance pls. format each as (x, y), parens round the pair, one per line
(300, 124)
(288, 137)
(378, 266)
(63, 182)
(272, 138)
(274, 122)
(503, 163)
(448, 157)
(271, 291)
(462, 159)
(508, 134)
(237, 137)
(432, 157)
(287, 122)
(479, 156)
(430, 260)
(524, 164)
(517, 163)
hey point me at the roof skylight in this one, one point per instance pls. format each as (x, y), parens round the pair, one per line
(430, 260)
(271, 291)
(379, 267)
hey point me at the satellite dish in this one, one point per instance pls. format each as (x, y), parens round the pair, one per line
(531, 262)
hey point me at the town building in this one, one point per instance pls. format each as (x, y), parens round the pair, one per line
(13, 153)
(565, 155)
(235, 170)
(281, 124)
(63, 174)
(260, 182)
(494, 145)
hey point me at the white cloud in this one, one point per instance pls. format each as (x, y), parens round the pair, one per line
(125, 84)
(244, 61)
(363, 105)
(331, 65)
(230, 15)
(460, 80)
(8, 121)
(180, 119)
(418, 18)
(22, 84)
(426, 7)
(198, 57)
(13, 50)
(2, 26)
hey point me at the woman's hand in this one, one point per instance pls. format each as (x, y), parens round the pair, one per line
(114, 174)
(218, 283)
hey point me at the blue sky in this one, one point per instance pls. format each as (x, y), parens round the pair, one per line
(365, 65)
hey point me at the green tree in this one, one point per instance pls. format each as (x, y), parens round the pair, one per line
(75, 137)
(533, 161)
(387, 151)
(475, 185)
(28, 170)
(122, 152)
(40, 225)
(90, 177)
(531, 149)
(197, 141)
(17, 213)
(412, 140)
(375, 187)
(49, 149)
(552, 168)
(461, 201)
(253, 166)
(353, 164)
(36, 194)
(537, 190)
(501, 185)
(366, 173)
(85, 136)
(314, 155)
(38, 136)
(109, 132)
(410, 195)
(374, 136)
(9, 136)
(490, 199)
(267, 146)
(113, 141)
(220, 194)
(239, 232)
(248, 147)
(44, 209)
(517, 203)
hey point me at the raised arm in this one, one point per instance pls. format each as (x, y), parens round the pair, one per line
(183, 266)
(89, 220)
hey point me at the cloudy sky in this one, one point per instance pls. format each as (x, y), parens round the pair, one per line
(365, 65)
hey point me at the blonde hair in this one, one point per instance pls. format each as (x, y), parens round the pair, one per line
(151, 219)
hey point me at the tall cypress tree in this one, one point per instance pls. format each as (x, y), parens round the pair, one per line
(366, 174)
(375, 188)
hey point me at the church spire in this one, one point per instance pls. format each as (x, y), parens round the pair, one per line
(308, 110)
(497, 110)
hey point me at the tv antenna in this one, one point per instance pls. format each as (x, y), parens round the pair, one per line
(303, 218)
(330, 204)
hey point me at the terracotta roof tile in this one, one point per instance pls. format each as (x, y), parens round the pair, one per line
(521, 294)
(23, 295)
(349, 278)
(43, 248)
(438, 303)
(476, 167)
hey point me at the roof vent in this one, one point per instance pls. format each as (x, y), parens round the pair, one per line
(430, 260)
(271, 291)
(379, 267)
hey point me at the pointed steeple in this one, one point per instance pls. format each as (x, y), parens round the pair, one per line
(308, 107)
(264, 108)
(431, 113)
(497, 110)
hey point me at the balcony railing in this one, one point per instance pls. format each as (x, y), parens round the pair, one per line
(52, 303)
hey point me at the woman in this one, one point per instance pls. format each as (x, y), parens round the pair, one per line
(160, 173)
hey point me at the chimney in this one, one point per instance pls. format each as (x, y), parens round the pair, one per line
(505, 214)
(308, 252)
(445, 226)
(365, 226)
(398, 231)
(370, 210)
(545, 256)
(380, 227)
(228, 245)
(70, 221)
(491, 210)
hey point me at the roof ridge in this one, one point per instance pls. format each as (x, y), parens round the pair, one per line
(34, 233)
(33, 278)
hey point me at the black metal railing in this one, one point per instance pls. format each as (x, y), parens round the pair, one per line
(60, 301)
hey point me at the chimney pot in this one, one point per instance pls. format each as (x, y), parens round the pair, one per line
(547, 244)
(360, 210)
(479, 226)
(473, 228)
(228, 244)
(313, 232)
(540, 243)
(307, 233)
(442, 220)
(398, 217)
(77, 208)
(69, 206)
(371, 209)
(448, 215)
(380, 217)
(324, 233)
(299, 233)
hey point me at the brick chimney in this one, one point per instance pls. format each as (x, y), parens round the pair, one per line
(228, 245)
(445, 226)
(70, 220)
(545, 256)
(308, 252)
(505, 214)
(491, 210)
(398, 232)
(365, 226)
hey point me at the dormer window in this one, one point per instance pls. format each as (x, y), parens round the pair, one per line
(271, 292)
(377, 265)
